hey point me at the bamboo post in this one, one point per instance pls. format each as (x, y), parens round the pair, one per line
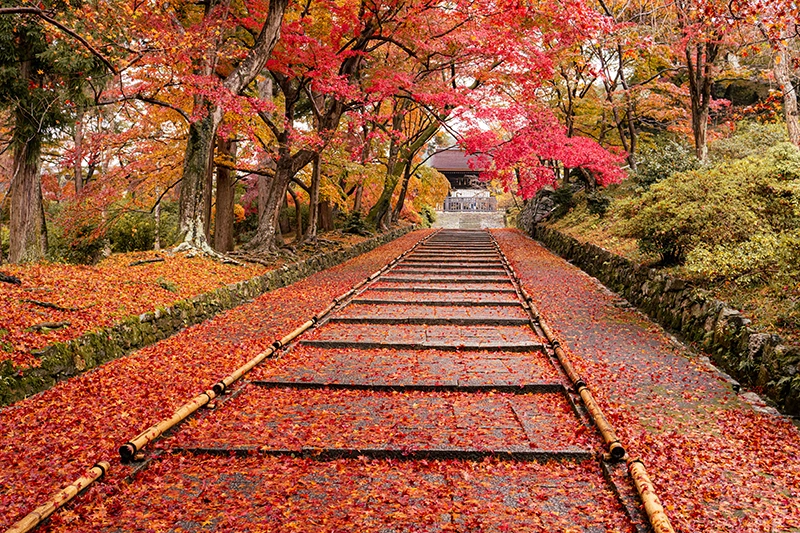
(59, 499)
(129, 450)
(647, 492)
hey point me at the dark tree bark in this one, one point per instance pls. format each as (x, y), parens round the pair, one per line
(298, 216)
(27, 229)
(325, 216)
(78, 164)
(223, 226)
(401, 200)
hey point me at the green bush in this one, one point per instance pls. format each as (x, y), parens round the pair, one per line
(735, 213)
(597, 203)
(133, 232)
(665, 158)
(428, 216)
(750, 139)
(354, 223)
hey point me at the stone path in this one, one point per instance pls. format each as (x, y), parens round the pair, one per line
(427, 403)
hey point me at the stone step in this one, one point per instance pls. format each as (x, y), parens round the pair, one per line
(439, 278)
(300, 418)
(443, 288)
(397, 368)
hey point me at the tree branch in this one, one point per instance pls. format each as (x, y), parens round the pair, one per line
(44, 16)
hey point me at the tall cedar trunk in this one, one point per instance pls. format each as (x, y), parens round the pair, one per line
(223, 226)
(27, 230)
(78, 164)
(28, 233)
(401, 200)
(325, 216)
(313, 202)
(200, 144)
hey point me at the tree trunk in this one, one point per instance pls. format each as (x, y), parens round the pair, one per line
(264, 239)
(78, 164)
(223, 227)
(200, 145)
(359, 197)
(298, 216)
(325, 216)
(401, 200)
(157, 215)
(700, 60)
(782, 73)
(197, 162)
(313, 202)
(28, 233)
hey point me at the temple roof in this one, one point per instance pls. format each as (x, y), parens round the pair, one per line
(452, 160)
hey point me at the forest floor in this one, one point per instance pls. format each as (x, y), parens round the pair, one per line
(720, 461)
(58, 302)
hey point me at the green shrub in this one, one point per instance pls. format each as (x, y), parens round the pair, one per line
(665, 158)
(133, 232)
(598, 203)
(354, 223)
(428, 216)
(750, 139)
(736, 212)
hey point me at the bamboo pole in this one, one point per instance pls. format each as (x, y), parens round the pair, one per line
(129, 450)
(647, 492)
(610, 438)
(59, 499)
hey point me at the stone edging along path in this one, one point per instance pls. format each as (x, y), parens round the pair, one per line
(66, 359)
(756, 359)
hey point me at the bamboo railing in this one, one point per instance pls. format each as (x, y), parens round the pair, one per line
(59, 499)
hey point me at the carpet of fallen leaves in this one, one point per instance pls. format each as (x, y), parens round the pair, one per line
(718, 463)
(92, 297)
(256, 494)
(48, 440)
(409, 367)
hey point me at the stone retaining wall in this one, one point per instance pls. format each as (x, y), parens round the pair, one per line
(756, 359)
(66, 359)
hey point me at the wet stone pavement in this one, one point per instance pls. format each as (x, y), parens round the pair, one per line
(428, 402)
